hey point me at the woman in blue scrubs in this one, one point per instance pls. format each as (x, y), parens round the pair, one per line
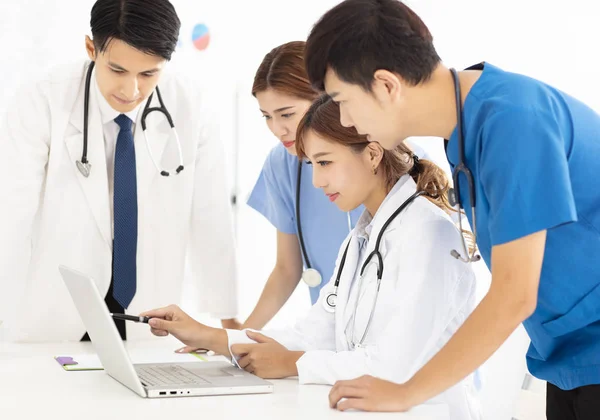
(284, 95)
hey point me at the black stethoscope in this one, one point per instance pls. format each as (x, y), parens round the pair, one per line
(330, 302)
(85, 167)
(461, 167)
(310, 276)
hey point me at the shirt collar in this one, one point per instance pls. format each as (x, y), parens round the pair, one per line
(107, 113)
(364, 225)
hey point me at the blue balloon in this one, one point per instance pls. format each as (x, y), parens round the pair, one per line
(199, 31)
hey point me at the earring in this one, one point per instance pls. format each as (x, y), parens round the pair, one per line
(374, 171)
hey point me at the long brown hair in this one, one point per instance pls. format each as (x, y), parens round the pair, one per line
(323, 117)
(283, 70)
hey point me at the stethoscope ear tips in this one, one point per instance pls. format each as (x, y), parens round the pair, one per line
(166, 173)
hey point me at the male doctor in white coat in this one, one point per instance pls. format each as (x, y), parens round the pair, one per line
(114, 217)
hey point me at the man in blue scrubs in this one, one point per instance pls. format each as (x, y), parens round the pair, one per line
(534, 153)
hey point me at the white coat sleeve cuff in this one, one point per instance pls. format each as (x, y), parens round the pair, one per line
(312, 368)
(237, 337)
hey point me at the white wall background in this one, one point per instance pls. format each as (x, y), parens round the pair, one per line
(556, 42)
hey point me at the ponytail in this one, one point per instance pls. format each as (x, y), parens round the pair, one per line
(431, 179)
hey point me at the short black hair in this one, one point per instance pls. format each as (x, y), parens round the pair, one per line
(151, 26)
(358, 37)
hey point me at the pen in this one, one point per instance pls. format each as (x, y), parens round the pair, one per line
(133, 318)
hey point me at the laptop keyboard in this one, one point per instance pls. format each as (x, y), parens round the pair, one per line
(168, 375)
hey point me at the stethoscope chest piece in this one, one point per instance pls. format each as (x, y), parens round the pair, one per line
(330, 302)
(84, 168)
(311, 277)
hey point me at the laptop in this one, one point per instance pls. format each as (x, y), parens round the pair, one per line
(159, 380)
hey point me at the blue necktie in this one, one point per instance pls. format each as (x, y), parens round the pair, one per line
(125, 215)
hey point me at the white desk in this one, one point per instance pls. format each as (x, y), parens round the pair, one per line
(33, 385)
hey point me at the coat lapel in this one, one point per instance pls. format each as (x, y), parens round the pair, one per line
(95, 186)
(343, 311)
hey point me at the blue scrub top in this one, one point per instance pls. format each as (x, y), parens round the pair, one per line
(534, 153)
(324, 226)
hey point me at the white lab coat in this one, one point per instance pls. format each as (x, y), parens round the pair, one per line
(425, 295)
(50, 214)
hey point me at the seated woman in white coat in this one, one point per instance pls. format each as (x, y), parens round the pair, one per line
(412, 294)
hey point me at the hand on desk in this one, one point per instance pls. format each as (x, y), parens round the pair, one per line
(370, 394)
(191, 349)
(267, 358)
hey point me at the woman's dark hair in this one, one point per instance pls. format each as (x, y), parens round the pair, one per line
(283, 70)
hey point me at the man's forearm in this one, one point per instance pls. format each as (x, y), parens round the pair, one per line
(490, 324)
